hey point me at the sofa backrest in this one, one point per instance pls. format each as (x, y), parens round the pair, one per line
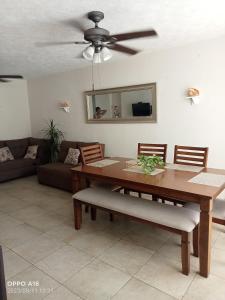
(18, 147)
(43, 153)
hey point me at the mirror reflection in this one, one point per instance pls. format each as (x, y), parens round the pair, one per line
(136, 103)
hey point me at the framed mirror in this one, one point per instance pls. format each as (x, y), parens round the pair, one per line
(129, 104)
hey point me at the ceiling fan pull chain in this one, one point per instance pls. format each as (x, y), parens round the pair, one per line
(92, 76)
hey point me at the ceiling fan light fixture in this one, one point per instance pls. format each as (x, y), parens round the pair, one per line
(97, 58)
(88, 52)
(106, 54)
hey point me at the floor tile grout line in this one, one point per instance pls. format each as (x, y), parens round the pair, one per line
(36, 267)
(189, 285)
(121, 288)
(98, 258)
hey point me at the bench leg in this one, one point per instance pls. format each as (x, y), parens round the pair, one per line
(93, 213)
(139, 194)
(196, 241)
(185, 252)
(77, 214)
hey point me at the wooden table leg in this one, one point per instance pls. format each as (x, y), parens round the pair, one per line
(205, 237)
(76, 182)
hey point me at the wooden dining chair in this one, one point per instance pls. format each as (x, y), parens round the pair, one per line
(153, 149)
(150, 150)
(194, 156)
(94, 153)
(188, 155)
(3, 294)
(198, 156)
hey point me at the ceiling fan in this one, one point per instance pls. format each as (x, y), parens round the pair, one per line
(99, 40)
(5, 78)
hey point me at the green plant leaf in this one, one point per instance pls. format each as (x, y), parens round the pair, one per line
(55, 136)
(150, 163)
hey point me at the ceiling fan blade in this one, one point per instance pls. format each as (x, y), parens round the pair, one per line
(4, 80)
(45, 44)
(82, 43)
(11, 76)
(75, 24)
(120, 48)
(133, 35)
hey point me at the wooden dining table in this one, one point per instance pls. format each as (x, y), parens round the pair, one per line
(171, 184)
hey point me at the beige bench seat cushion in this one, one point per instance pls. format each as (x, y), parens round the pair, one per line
(218, 208)
(172, 216)
(103, 185)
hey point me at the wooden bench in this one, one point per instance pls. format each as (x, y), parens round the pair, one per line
(175, 219)
(218, 212)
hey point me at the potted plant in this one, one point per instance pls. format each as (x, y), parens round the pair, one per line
(55, 136)
(150, 163)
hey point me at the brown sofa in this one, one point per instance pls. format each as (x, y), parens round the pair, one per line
(59, 174)
(20, 167)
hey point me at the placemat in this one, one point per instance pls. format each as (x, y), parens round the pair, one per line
(132, 162)
(184, 168)
(138, 169)
(103, 163)
(208, 179)
(221, 196)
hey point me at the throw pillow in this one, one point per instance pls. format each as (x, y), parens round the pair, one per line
(31, 152)
(5, 154)
(72, 156)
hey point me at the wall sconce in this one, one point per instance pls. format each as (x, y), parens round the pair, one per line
(65, 106)
(193, 95)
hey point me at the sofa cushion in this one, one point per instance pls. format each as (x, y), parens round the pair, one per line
(64, 147)
(31, 152)
(5, 154)
(56, 174)
(72, 156)
(2, 144)
(18, 147)
(57, 167)
(17, 164)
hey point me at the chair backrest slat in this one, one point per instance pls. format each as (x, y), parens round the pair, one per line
(195, 156)
(91, 153)
(153, 149)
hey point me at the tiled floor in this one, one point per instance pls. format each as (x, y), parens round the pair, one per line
(120, 260)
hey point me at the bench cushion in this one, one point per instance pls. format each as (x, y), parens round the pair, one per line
(172, 216)
(218, 208)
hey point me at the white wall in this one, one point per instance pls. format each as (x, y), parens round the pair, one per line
(14, 110)
(200, 65)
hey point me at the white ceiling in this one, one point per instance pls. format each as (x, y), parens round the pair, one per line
(24, 23)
